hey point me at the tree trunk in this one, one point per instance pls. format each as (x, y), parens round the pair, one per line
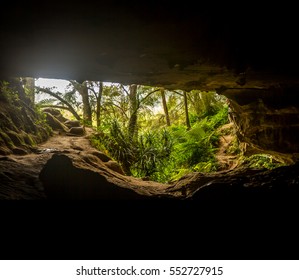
(29, 84)
(165, 107)
(197, 103)
(133, 110)
(186, 110)
(16, 85)
(87, 115)
(99, 101)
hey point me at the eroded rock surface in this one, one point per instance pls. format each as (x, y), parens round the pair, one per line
(63, 179)
(21, 128)
(60, 170)
(267, 120)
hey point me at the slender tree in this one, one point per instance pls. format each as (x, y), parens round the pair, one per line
(17, 85)
(99, 100)
(98, 97)
(165, 107)
(195, 102)
(139, 97)
(186, 110)
(29, 85)
(133, 110)
(82, 89)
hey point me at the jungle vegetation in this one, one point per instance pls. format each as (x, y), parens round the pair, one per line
(154, 133)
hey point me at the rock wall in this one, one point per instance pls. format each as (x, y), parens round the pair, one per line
(21, 126)
(267, 120)
(68, 177)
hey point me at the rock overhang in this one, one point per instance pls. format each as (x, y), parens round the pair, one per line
(248, 53)
(182, 46)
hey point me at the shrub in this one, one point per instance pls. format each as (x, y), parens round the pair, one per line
(165, 154)
(261, 161)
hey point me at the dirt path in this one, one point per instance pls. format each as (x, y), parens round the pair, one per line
(226, 160)
(19, 174)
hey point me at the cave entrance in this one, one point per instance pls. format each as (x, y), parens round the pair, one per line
(153, 133)
(88, 133)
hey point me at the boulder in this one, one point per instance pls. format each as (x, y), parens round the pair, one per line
(113, 165)
(56, 113)
(62, 180)
(71, 123)
(103, 157)
(76, 131)
(54, 123)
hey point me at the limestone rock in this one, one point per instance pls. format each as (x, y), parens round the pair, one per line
(56, 113)
(264, 125)
(54, 123)
(4, 150)
(19, 151)
(62, 180)
(113, 165)
(71, 123)
(77, 131)
(16, 138)
(103, 157)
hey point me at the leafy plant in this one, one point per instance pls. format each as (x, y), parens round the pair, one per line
(261, 161)
(120, 146)
(153, 152)
(165, 154)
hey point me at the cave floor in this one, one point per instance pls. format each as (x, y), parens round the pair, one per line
(19, 175)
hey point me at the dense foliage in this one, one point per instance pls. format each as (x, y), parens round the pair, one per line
(164, 153)
(154, 133)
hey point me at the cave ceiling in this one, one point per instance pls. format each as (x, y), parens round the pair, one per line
(175, 45)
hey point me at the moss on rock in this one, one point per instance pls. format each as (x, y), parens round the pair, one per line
(28, 139)
(8, 142)
(16, 138)
(4, 150)
(6, 122)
